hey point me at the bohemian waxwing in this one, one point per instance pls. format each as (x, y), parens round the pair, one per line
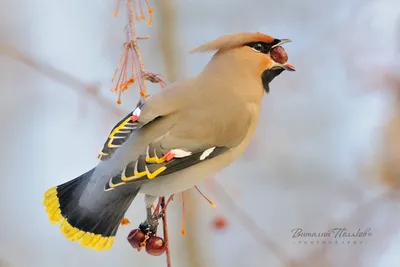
(172, 142)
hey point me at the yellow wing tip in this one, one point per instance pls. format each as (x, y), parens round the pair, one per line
(151, 159)
(160, 160)
(87, 239)
(154, 174)
(155, 159)
(139, 174)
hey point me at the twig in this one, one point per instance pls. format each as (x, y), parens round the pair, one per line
(191, 244)
(142, 77)
(319, 253)
(168, 36)
(135, 47)
(165, 231)
(248, 223)
(59, 76)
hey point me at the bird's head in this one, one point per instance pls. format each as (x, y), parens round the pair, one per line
(260, 53)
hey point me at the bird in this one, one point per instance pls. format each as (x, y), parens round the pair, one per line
(172, 141)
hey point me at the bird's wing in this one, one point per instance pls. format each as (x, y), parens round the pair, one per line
(159, 105)
(198, 136)
(152, 165)
(120, 133)
(155, 107)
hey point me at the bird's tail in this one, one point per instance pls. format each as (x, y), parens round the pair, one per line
(86, 212)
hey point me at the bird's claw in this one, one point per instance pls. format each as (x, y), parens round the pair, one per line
(160, 216)
(150, 225)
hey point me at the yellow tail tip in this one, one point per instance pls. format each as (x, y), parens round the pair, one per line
(87, 239)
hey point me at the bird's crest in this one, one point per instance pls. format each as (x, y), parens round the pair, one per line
(232, 41)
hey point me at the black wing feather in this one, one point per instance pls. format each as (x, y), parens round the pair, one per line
(119, 134)
(145, 167)
(178, 164)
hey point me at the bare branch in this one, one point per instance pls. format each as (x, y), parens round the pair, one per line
(60, 76)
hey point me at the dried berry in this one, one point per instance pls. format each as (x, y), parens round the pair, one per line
(279, 55)
(125, 221)
(155, 246)
(220, 223)
(136, 237)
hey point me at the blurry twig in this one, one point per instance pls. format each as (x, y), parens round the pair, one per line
(165, 231)
(132, 54)
(142, 76)
(191, 240)
(135, 47)
(167, 37)
(4, 263)
(168, 46)
(398, 35)
(371, 205)
(251, 226)
(62, 77)
(353, 48)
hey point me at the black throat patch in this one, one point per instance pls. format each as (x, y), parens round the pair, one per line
(268, 76)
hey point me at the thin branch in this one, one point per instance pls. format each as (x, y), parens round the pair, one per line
(313, 256)
(135, 47)
(167, 35)
(248, 223)
(60, 76)
(165, 231)
(194, 252)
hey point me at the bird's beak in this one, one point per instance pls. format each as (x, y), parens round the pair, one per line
(285, 66)
(281, 42)
(289, 67)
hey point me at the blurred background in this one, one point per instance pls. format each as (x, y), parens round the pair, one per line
(325, 155)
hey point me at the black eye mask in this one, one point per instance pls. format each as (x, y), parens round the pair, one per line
(263, 47)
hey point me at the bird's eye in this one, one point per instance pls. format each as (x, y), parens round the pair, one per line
(258, 47)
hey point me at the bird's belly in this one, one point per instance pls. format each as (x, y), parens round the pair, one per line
(173, 184)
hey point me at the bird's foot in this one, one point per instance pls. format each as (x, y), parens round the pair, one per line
(150, 225)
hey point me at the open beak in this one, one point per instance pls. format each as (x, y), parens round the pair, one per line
(277, 65)
(281, 42)
(286, 66)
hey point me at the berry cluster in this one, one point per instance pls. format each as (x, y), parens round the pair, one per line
(154, 245)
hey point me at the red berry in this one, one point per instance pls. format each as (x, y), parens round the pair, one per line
(136, 237)
(220, 223)
(278, 54)
(155, 246)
